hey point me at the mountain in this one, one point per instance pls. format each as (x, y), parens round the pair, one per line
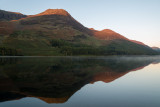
(56, 32)
(7, 16)
(118, 44)
(156, 48)
(53, 18)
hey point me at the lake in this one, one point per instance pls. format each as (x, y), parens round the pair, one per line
(113, 81)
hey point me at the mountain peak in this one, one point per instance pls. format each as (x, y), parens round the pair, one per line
(107, 30)
(55, 12)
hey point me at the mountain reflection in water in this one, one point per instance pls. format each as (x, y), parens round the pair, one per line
(56, 79)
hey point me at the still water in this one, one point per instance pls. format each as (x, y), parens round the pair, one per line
(117, 81)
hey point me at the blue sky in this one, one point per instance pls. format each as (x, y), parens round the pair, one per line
(135, 19)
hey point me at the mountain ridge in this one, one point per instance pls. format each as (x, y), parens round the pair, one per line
(7, 15)
(58, 26)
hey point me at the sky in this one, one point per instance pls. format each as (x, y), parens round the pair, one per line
(134, 19)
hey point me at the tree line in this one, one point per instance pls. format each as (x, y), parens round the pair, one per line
(68, 48)
(4, 51)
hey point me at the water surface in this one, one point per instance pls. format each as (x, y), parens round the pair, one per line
(122, 81)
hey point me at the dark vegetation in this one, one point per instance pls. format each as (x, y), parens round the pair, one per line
(68, 48)
(9, 52)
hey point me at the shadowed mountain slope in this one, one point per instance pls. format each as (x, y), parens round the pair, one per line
(7, 16)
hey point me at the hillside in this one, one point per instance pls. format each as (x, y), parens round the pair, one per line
(7, 16)
(56, 32)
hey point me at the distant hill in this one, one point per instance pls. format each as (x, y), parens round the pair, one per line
(156, 48)
(7, 16)
(56, 32)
